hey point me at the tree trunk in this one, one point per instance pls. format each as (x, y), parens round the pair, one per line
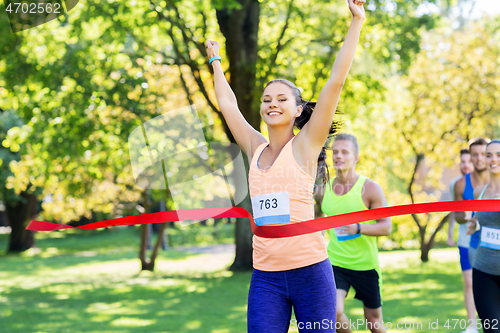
(146, 265)
(425, 248)
(243, 240)
(240, 28)
(19, 215)
(149, 264)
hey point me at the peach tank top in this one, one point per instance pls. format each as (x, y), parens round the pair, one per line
(283, 194)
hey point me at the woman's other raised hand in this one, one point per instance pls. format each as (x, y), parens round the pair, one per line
(356, 8)
(212, 48)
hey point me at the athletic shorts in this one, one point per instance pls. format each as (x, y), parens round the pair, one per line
(464, 258)
(309, 290)
(365, 283)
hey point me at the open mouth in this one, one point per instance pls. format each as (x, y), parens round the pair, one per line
(273, 113)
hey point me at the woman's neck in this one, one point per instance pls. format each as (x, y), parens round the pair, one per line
(278, 137)
(494, 183)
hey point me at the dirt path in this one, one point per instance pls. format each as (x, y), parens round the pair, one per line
(219, 257)
(211, 259)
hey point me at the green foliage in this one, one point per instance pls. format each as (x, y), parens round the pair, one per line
(83, 82)
(9, 123)
(448, 97)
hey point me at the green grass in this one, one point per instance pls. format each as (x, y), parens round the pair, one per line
(90, 282)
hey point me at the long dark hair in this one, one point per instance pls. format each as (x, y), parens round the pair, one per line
(307, 109)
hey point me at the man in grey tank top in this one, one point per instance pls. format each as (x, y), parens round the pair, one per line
(486, 267)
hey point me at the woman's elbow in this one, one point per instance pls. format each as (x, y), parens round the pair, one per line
(388, 229)
(336, 83)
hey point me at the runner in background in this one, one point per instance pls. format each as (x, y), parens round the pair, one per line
(353, 249)
(464, 188)
(486, 268)
(466, 167)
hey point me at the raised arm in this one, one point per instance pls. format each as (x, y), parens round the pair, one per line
(245, 135)
(313, 135)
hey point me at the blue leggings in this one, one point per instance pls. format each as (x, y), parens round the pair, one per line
(310, 290)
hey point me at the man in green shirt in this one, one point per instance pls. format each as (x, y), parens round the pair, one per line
(353, 249)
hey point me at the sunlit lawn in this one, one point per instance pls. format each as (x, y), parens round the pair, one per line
(90, 282)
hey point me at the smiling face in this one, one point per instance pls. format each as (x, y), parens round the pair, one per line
(493, 158)
(478, 153)
(344, 155)
(279, 105)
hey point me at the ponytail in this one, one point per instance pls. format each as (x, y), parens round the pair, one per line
(307, 109)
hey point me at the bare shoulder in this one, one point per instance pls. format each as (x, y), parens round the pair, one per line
(460, 184)
(478, 190)
(459, 188)
(256, 143)
(371, 187)
(373, 195)
(306, 154)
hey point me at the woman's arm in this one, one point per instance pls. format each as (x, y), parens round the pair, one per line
(245, 135)
(313, 135)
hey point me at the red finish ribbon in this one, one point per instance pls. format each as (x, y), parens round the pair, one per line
(286, 230)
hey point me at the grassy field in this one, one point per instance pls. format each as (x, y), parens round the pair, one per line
(89, 281)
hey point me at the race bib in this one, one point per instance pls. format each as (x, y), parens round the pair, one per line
(490, 238)
(271, 208)
(341, 236)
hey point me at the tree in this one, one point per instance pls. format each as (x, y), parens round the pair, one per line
(20, 208)
(447, 97)
(90, 81)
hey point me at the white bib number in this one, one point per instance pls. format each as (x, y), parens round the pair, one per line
(271, 208)
(490, 238)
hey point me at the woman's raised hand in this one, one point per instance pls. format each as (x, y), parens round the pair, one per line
(356, 8)
(212, 48)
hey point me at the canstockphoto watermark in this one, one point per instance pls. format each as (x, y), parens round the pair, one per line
(170, 151)
(363, 324)
(25, 14)
(356, 325)
(323, 324)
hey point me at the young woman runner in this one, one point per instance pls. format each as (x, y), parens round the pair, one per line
(292, 271)
(486, 267)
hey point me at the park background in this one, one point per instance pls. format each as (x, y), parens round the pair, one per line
(425, 80)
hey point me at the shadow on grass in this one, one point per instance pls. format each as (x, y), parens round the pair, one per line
(142, 304)
(416, 293)
(61, 249)
(89, 283)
